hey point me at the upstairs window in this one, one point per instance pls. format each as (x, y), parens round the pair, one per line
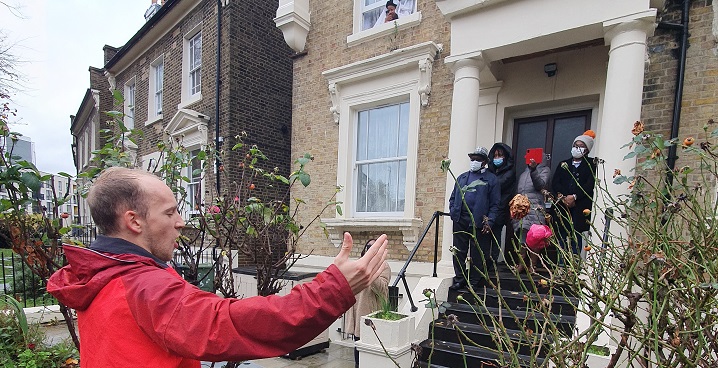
(157, 72)
(130, 104)
(195, 64)
(373, 12)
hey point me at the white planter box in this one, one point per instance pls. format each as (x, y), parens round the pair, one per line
(396, 336)
(393, 334)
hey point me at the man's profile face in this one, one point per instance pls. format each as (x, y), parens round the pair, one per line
(162, 225)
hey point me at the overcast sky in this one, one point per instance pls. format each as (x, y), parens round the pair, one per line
(59, 40)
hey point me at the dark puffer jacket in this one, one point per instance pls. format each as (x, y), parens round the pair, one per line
(507, 180)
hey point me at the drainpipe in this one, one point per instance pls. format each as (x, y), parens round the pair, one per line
(217, 83)
(680, 79)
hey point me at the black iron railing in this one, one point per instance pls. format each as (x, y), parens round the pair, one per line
(393, 289)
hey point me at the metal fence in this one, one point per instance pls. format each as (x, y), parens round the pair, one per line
(18, 281)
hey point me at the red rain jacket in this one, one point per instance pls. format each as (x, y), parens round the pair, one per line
(132, 312)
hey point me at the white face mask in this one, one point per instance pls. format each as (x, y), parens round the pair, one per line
(577, 152)
(475, 166)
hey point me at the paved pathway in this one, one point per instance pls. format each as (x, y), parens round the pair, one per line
(336, 356)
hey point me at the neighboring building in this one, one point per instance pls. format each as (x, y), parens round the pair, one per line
(381, 104)
(168, 74)
(85, 127)
(22, 148)
(57, 189)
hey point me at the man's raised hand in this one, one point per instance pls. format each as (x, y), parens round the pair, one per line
(362, 272)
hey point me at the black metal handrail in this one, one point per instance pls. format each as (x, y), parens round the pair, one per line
(393, 289)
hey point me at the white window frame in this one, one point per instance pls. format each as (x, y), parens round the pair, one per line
(383, 29)
(155, 96)
(191, 208)
(403, 75)
(190, 94)
(130, 98)
(356, 162)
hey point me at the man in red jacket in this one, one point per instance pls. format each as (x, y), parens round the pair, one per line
(133, 310)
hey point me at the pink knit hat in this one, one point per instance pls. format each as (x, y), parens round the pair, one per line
(537, 237)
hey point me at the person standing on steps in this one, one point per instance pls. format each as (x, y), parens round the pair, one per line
(501, 163)
(532, 184)
(572, 185)
(474, 208)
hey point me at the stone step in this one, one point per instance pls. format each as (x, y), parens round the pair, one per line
(452, 355)
(518, 300)
(521, 343)
(512, 319)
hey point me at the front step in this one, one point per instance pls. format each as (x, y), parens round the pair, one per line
(482, 336)
(512, 319)
(452, 355)
(518, 300)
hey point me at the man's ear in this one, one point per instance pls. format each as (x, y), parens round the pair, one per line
(131, 221)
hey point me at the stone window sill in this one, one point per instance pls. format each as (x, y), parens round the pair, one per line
(385, 29)
(409, 227)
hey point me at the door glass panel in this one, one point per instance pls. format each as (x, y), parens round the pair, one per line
(564, 132)
(530, 135)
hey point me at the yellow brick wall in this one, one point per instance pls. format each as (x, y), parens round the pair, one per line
(314, 130)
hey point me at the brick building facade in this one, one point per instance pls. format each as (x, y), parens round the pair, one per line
(168, 74)
(699, 101)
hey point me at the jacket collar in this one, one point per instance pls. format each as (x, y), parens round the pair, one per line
(106, 244)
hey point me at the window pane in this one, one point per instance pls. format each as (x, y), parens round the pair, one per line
(370, 17)
(565, 130)
(405, 7)
(362, 129)
(403, 128)
(380, 187)
(194, 195)
(382, 136)
(383, 132)
(530, 135)
(363, 182)
(195, 81)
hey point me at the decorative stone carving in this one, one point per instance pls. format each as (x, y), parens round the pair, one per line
(293, 20)
(425, 68)
(334, 94)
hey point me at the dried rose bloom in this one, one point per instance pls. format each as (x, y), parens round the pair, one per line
(519, 206)
(637, 128)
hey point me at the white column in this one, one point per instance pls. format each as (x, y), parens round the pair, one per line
(462, 137)
(621, 108)
(622, 99)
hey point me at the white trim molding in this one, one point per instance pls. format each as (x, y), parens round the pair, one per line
(400, 76)
(420, 56)
(189, 125)
(293, 19)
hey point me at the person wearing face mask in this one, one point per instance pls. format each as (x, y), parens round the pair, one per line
(474, 209)
(501, 163)
(572, 184)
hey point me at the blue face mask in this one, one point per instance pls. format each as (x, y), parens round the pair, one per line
(498, 161)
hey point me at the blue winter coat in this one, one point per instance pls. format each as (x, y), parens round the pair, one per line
(487, 199)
